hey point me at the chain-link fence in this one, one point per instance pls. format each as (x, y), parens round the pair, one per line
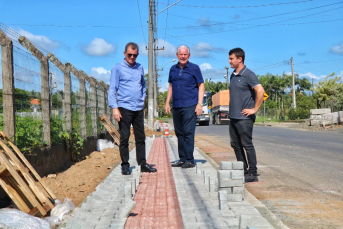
(43, 97)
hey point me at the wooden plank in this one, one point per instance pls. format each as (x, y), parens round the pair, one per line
(18, 201)
(28, 165)
(34, 211)
(28, 193)
(31, 182)
(110, 128)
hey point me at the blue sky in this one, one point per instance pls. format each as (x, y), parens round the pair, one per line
(92, 34)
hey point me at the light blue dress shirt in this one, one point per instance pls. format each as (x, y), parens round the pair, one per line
(127, 86)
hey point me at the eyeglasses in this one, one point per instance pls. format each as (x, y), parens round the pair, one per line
(129, 55)
(180, 74)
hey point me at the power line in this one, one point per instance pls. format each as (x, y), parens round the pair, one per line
(255, 26)
(225, 7)
(78, 26)
(258, 18)
(320, 61)
(140, 18)
(300, 23)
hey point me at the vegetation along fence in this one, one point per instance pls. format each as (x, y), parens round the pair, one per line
(45, 100)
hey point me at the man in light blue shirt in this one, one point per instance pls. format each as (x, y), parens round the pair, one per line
(126, 97)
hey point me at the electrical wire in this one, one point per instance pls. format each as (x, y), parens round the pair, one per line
(264, 17)
(255, 26)
(225, 7)
(300, 23)
(140, 18)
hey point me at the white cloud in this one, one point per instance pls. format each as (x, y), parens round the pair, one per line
(101, 73)
(40, 40)
(208, 72)
(338, 49)
(98, 47)
(204, 50)
(312, 76)
(169, 49)
(205, 66)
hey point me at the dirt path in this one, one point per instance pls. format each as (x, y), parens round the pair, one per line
(295, 206)
(81, 179)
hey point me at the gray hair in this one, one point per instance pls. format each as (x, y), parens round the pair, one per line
(183, 47)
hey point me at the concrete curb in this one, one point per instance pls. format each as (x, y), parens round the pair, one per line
(264, 211)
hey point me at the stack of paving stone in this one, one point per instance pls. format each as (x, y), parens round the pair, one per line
(230, 182)
(108, 206)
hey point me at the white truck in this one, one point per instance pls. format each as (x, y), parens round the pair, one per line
(220, 107)
(204, 118)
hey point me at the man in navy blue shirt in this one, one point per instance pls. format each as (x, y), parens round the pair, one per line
(246, 97)
(186, 87)
(126, 97)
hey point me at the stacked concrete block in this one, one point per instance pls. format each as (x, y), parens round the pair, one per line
(198, 167)
(211, 184)
(222, 197)
(205, 176)
(231, 179)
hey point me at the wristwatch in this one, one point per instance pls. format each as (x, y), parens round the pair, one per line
(201, 104)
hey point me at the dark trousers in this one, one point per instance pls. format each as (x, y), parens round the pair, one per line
(185, 120)
(135, 118)
(241, 138)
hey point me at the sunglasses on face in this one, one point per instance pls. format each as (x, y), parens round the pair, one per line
(130, 55)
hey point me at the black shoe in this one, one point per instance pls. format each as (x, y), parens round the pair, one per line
(125, 170)
(146, 168)
(250, 178)
(177, 164)
(247, 172)
(187, 165)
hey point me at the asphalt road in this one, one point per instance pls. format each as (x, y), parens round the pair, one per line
(301, 174)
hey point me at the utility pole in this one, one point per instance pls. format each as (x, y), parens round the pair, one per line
(227, 78)
(293, 85)
(155, 82)
(150, 69)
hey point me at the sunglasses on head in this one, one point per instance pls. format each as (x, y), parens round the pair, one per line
(134, 55)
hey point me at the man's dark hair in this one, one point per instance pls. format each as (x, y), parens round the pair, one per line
(238, 53)
(133, 46)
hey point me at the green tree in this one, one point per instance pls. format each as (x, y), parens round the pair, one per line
(329, 90)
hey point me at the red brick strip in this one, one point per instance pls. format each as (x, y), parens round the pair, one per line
(157, 204)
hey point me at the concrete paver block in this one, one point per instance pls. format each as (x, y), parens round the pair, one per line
(224, 174)
(237, 165)
(238, 190)
(237, 174)
(228, 190)
(244, 221)
(198, 167)
(226, 165)
(235, 197)
(222, 195)
(205, 176)
(225, 183)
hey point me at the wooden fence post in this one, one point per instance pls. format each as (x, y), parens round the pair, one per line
(45, 90)
(7, 84)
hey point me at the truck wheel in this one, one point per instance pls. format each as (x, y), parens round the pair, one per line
(219, 121)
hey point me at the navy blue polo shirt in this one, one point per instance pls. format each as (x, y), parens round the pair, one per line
(242, 93)
(185, 84)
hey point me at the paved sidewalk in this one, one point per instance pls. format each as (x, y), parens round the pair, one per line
(170, 198)
(157, 204)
